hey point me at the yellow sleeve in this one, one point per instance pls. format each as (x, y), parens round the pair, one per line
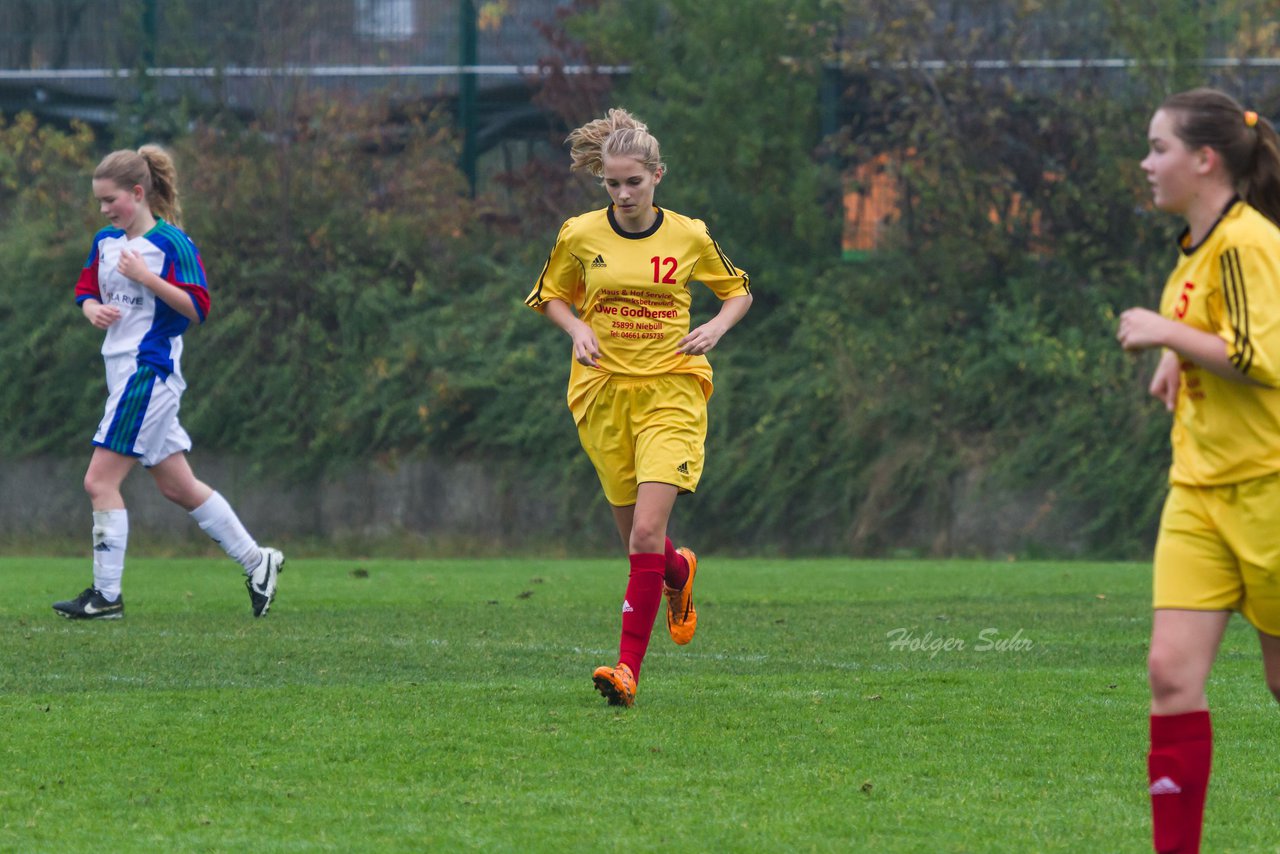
(717, 272)
(563, 276)
(1250, 322)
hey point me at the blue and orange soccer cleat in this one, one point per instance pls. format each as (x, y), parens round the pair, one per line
(682, 617)
(616, 684)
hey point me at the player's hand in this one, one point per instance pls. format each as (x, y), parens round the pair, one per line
(1141, 329)
(701, 340)
(586, 349)
(101, 315)
(132, 266)
(1167, 379)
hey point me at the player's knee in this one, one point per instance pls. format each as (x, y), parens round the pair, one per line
(647, 537)
(1167, 673)
(95, 484)
(174, 491)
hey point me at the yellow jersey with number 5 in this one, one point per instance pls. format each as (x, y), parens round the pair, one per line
(633, 290)
(1227, 431)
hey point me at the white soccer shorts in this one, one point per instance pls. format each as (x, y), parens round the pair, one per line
(141, 417)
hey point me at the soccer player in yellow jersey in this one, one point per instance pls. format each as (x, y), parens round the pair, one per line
(1218, 166)
(617, 282)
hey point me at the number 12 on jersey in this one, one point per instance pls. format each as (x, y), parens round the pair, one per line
(661, 277)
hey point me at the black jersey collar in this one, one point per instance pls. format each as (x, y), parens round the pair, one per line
(1184, 238)
(636, 235)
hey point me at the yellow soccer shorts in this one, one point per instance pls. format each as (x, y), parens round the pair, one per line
(1218, 550)
(646, 429)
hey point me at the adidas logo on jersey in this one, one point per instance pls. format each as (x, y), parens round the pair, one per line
(598, 263)
(683, 468)
(626, 607)
(1165, 786)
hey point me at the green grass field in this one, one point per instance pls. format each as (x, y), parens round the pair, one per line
(447, 705)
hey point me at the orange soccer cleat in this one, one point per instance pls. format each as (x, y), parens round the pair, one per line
(616, 684)
(682, 617)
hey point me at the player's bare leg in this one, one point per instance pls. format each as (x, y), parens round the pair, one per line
(649, 517)
(622, 517)
(1183, 647)
(178, 483)
(102, 480)
(1271, 661)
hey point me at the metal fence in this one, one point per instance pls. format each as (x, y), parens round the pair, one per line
(72, 52)
(65, 35)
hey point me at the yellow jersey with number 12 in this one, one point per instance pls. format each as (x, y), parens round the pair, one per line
(633, 291)
(1227, 431)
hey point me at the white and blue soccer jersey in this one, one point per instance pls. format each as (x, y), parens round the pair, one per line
(148, 332)
(143, 349)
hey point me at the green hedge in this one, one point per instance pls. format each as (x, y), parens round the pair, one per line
(367, 308)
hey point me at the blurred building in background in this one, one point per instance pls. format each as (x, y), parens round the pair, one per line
(81, 59)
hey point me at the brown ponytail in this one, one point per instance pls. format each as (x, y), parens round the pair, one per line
(1263, 187)
(1247, 142)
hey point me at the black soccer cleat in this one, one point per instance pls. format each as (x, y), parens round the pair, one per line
(90, 605)
(261, 583)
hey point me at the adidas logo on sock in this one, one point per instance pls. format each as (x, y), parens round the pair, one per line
(598, 263)
(626, 607)
(102, 547)
(1165, 786)
(683, 468)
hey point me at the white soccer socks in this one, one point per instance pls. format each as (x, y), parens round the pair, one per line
(110, 539)
(216, 518)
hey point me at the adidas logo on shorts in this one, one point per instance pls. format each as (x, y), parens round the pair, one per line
(683, 468)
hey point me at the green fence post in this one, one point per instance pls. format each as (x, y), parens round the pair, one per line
(468, 26)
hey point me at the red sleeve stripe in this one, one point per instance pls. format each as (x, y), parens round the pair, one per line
(199, 293)
(87, 284)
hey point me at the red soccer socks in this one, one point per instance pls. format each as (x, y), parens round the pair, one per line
(677, 568)
(640, 608)
(1178, 768)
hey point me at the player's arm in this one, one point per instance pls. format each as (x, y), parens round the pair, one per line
(708, 335)
(560, 286)
(586, 349)
(89, 295)
(1167, 379)
(134, 267)
(1143, 329)
(731, 285)
(1245, 346)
